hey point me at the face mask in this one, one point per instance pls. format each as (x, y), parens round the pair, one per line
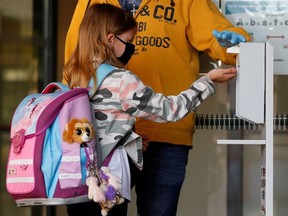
(128, 52)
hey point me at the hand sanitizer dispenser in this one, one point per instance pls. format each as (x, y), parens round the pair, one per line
(250, 81)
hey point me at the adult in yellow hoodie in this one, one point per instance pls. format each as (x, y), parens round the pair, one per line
(170, 36)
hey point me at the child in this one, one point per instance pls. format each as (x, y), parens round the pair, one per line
(105, 36)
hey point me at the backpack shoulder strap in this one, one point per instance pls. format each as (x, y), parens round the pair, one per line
(103, 71)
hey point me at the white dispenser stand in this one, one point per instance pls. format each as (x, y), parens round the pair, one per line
(254, 103)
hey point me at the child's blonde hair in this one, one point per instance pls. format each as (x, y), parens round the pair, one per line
(92, 48)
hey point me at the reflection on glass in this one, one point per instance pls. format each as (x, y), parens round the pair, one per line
(18, 77)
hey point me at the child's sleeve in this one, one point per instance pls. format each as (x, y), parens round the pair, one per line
(141, 101)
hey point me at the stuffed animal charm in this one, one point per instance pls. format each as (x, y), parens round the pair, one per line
(111, 185)
(104, 188)
(78, 130)
(95, 193)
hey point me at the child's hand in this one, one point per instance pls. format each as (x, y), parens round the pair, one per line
(221, 75)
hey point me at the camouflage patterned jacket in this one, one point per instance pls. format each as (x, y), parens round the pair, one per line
(123, 97)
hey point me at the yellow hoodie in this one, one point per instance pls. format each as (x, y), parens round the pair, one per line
(170, 36)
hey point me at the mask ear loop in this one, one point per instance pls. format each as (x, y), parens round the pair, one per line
(120, 40)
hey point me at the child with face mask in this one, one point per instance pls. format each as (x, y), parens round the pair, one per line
(105, 37)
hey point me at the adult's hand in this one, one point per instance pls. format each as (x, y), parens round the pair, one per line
(228, 38)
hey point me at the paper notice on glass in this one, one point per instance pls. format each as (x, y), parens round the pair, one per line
(265, 21)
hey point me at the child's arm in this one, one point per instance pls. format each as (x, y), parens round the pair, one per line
(141, 101)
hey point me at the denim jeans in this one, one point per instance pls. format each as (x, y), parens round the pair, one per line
(158, 185)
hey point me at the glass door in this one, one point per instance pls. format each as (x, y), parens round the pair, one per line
(26, 44)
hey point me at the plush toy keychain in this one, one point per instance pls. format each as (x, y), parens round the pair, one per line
(104, 188)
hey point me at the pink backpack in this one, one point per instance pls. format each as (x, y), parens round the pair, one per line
(53, 139)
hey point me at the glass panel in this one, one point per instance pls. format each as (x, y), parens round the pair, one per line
(19, 68)
(18, 65)
(281, 146)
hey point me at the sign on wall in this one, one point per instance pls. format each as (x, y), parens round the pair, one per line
(266, 21)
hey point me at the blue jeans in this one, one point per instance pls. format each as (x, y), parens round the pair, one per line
(158, 185)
